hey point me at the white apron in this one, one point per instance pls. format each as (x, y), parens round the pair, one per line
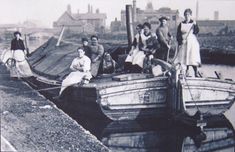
(189, 52)
(74, 78)
(19, 68)
(138, 56)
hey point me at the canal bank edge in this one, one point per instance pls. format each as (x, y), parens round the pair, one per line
(29, 122)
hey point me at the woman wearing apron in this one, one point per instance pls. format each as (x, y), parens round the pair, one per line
(189, 49)
(19, 65)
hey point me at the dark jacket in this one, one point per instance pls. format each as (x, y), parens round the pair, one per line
(17, 44)
(179, 33)
(87, 50)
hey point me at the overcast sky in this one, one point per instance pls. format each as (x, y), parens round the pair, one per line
(47, 11)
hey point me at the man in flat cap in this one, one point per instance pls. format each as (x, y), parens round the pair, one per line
(164, 38)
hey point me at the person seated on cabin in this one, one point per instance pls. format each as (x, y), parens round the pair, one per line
(147, 45)
(136, 44)
(97, 51)
(80, 68)
(86, 47)
(151, 48)
(109, 65)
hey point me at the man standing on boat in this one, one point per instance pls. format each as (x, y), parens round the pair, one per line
(189, 49)
(19, 66)
(97, 52)
(164, 38)
(80, 68)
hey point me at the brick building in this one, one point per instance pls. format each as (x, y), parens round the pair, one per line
(151, 15)
(81, 22)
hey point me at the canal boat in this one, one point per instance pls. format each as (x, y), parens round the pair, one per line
(113, 96)
(195, 101)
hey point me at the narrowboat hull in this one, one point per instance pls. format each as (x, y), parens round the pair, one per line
(209, 96)
(203, 101)
(130, 99)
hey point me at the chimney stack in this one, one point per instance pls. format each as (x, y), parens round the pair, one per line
(134, 11)
(216, 15)
(197, 10)
(91, 9)
(69, 9)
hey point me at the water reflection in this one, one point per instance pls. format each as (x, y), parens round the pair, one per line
(217, 139)
(158, 135)
(155, 138)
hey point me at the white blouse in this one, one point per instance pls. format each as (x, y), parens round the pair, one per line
(84, 63)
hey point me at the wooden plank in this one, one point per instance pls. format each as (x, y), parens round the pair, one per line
(127, 77)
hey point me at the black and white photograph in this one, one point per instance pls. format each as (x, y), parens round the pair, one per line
(117, 75)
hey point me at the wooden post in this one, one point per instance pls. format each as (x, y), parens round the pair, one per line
(129, 25)
(60, 37)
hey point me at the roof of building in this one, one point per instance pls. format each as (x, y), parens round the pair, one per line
(90, 16)
(76, 19)
(161, 10)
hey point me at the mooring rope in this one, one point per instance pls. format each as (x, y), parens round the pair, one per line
(191, 93)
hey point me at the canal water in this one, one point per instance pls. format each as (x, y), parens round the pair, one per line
(160, 135)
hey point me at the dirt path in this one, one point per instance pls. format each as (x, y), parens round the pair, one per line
(29, 122)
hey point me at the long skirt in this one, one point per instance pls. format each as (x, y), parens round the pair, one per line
(130, 58)
(95, 68)
(16, 62)
(74, 78)
(189, 52)
(136, 58)
(139, 59)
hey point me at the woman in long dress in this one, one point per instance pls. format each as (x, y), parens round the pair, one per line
(15, 59)
(189, 49)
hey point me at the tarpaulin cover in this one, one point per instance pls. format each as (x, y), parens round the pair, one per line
(53, 61)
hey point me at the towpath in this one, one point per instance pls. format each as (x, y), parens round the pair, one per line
(29, 122)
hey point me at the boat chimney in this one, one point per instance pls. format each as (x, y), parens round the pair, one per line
(129, 25)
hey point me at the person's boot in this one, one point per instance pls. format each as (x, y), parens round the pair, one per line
(196, 71)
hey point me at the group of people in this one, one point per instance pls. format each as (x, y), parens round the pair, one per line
(148, 45)
(87, 64)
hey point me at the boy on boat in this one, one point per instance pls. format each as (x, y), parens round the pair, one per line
(80, 68)
(86, 47)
